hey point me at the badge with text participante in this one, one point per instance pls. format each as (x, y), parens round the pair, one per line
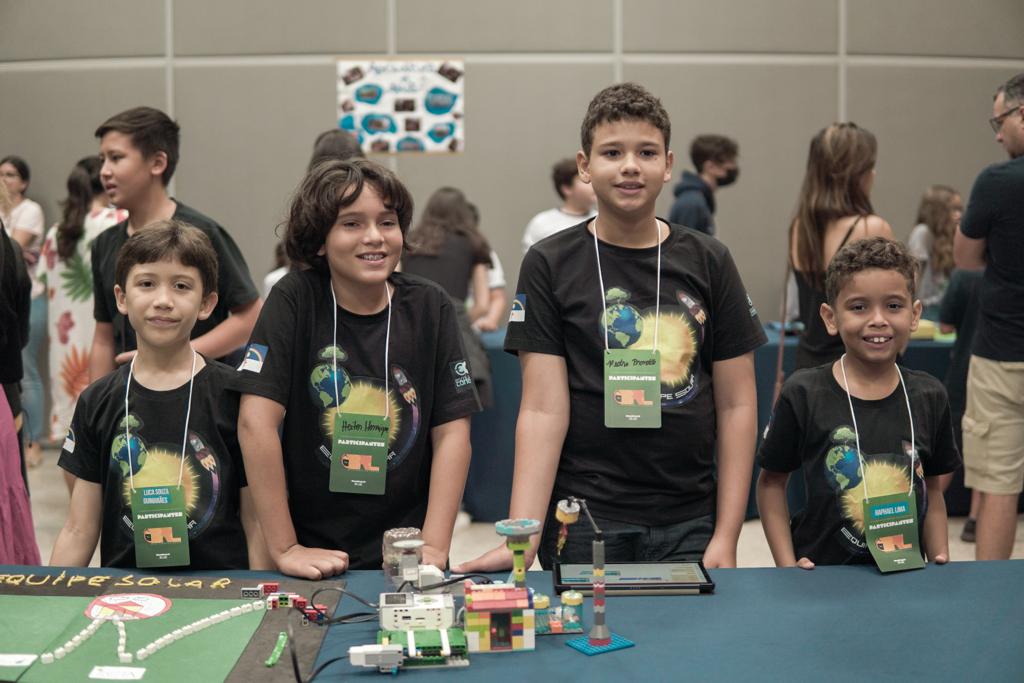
(359, 453)
(632, 388)
(891, 532)
(160, 526)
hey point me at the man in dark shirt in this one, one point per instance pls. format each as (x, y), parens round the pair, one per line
(991, 237)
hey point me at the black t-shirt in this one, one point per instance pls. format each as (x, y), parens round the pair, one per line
(959, 308)
(95, 450)
(289, 360)
(452, 267)
(816, 345)
(811, 430)
(15, 302)
(995, 212)
(641, 476)
(234, 284)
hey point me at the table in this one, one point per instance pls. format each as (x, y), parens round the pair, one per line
(962, 621)
(489, 486)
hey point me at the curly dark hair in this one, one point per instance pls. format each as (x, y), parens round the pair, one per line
(872, 253)
(628, 101)
(329, 187)
(165, 240)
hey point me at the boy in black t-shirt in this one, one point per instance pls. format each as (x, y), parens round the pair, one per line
(871, 306)
(139, 149)
(165, 419)
(613, 284)
(349, 340)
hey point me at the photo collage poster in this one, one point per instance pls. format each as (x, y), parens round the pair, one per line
(400, 105)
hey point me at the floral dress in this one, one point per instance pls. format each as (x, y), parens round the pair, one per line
(70, 322)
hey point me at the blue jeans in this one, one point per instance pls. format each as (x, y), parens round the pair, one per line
(625, 542)
(32, 384)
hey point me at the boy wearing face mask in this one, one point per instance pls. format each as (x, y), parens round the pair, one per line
(714, 158)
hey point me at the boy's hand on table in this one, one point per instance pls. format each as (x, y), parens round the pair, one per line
(720, 554)
(311, 563)
(438, 558)
(496, 560)
(805, 563)
(941, 558)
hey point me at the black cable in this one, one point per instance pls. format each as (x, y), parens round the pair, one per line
(296, 671)
(442, 584)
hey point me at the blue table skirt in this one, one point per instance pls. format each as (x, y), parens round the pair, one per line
(489, 486)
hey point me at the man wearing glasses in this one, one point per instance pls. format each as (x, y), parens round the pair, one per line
(991, 237)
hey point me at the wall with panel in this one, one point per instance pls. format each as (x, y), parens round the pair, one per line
(252, 82)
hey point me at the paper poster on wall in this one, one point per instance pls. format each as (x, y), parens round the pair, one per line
(401, 105)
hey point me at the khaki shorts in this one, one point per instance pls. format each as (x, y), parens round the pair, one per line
(993, 427)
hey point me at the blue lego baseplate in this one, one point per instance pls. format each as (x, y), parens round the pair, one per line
(583, 645)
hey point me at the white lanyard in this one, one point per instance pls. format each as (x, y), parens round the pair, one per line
(856, 434)
(657, 295)
(387, 344)
(184, 437)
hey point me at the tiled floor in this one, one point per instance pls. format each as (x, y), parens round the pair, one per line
(50, 503)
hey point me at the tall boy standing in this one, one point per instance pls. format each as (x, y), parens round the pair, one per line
(164, 420)
(616, 283)
(139, 148)
(858, 427)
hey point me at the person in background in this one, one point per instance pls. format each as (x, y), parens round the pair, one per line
(446, 247)
(17, 539)
(931, 243)
(65, 271)
(577, 204)
(834, 208)
(714, 159)
(24, 221)
(497, 305)
(991, 237)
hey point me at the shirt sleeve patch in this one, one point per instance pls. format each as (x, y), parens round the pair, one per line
(255, 354)
(69, 441)
(518, 314)
(460, 376)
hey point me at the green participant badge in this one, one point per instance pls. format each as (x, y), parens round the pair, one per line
(632, 388)
(891, 531)
(359, 454)
(161, 527)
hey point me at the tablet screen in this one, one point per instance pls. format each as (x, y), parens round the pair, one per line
(636, 575)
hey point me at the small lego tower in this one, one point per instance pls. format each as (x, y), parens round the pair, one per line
(601, 638)
(517, 534)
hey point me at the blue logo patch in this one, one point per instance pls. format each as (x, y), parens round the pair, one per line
(255, 354)
(518, 313)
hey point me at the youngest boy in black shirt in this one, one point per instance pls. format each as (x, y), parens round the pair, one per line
(164, 419)
(871, 306)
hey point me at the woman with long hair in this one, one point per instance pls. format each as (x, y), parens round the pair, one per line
(834, 209)
(66, 270)
(931, 243)
(446, 246)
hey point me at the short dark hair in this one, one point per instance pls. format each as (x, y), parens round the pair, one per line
(164, 241)
(878, 253)
(150, 130)
(563, 174)
(624, 101)
(335, 144)
(329, 187)
(20, 165)
(1013, 89)
(711, 147)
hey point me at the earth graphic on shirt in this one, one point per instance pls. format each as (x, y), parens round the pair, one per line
(324, 377)
(841, 462)
(621, 321)
(128, 450)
